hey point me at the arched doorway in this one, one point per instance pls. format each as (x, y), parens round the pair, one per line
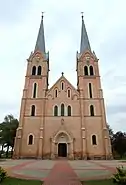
(62, 150)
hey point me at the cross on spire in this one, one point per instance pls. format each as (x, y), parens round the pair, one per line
(40, 43)
(84, 45)
(82, 13)
(42, 14)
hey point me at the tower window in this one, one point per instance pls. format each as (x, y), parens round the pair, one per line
(56, 110)
(56, 93)
(91, 110)
(91, 71)
(62, 85)
(68, 93)
(39, 70)
(34, 70)
(62, 109)
(34, 90)
(69, 110)
(94, 142)
(33, 110)
(30, 140)
(85, 70)
(90, 90)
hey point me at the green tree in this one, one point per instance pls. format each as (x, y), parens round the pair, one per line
(8, 132)
(119, 143)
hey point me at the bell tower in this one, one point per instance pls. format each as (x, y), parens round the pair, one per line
(94, 133)
(31, 121)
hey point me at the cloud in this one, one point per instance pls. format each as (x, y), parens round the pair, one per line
(106, 27)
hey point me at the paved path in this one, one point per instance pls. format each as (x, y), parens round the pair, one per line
(71, 170)
(62, 174)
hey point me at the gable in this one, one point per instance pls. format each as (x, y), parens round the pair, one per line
(62, 86)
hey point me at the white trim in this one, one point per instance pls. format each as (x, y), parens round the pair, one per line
(36, 89)
(28, 138)
(53, 109)
(91, 89)
(62, 81)
(56, 89)
(96, 140)
(93, 70)
(71, 110)
(87, 70)
(64, 109)
(90, 111)
(31, 109)
(35, 70)
(68, 89)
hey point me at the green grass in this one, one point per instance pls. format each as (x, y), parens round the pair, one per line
(15, 181)
(98, 182)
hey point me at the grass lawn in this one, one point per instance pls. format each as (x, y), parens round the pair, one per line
(14, 181)
(98, 182)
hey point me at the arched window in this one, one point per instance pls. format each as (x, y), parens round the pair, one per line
(34, 90)
(85, 70)
(62, 109)
(56, 93)
(39, 70)
(69, 110)
(30, 140)
(91, 70)
(91, 110)
(56, 110)
(90, 90)
(33, 110)
(94, 142)
(34, 70)
(62, 85)
(68, 93)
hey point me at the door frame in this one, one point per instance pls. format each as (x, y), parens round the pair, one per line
(66, 148)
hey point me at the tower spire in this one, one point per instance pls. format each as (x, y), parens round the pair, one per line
(84, 38)
(40, 43)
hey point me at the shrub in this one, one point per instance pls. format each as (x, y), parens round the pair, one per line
(120, 176)
(3, 174)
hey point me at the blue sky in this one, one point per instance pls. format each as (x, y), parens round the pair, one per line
(106, 27)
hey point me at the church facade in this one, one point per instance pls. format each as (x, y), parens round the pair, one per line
(62, 121)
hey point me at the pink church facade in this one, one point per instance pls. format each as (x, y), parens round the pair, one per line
(62, 121)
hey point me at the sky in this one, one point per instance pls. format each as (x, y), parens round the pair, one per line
(106, 27)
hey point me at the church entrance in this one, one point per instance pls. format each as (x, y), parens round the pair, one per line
(62, 150)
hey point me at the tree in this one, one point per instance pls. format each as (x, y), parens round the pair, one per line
(119, 143)
(111, 133)
(8, 132)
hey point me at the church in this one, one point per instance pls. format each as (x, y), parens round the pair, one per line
(62, 121)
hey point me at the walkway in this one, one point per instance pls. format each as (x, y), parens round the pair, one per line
(61, 170)
(62, 174)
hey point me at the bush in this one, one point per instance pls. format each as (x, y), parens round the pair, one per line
(120, 176)
(3, 174)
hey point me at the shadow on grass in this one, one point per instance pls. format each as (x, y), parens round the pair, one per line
(98, 182)
(15, 181)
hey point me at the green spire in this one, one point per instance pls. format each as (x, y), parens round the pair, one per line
(85, 45)
(40, 43)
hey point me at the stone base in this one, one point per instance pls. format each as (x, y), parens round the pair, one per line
(99, 157)
(74, 156)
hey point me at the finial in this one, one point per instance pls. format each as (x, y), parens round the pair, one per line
(42, 15)
(62, 73)
(82, 13)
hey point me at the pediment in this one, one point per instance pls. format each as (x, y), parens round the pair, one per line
(67, 85)
(87, 55)
(37, 56)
